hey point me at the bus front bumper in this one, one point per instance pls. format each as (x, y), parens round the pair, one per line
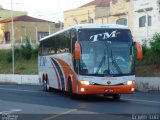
(97, 89)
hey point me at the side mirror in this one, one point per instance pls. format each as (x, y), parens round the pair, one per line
(77, 51)
(139, 51)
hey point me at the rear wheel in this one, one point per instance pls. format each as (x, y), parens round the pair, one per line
(46, 85)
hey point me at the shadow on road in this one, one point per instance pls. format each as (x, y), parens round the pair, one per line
(86, 98)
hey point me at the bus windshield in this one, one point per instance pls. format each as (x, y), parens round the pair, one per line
(106, 52)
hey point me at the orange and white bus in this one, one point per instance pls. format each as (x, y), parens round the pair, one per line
(89, 59)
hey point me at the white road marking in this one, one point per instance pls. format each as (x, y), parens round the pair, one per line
(10, 111)
(19, 90)
(61, 114)
(7, 85)
(149, 101)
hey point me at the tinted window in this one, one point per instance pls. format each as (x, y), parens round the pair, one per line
(60, 43)
(119, 35)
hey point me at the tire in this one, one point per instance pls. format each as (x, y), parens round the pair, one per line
(46, 85)
(116, 97)
(71, 94)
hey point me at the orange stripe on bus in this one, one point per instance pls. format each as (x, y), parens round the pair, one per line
(68, 71)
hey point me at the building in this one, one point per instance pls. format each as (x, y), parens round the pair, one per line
(121, 12)
(146, 19)
(141, 16)
(25, 26)
(96, 11)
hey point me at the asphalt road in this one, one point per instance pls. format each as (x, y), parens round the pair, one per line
(31, 102)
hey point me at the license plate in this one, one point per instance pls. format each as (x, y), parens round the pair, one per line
(108, 90)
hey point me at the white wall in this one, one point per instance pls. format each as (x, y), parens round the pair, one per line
(148, 83)
(141, 33)
(19, 79)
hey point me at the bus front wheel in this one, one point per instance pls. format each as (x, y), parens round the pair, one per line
(116, 97)
(71, 94)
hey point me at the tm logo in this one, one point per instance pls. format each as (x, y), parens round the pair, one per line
(103, 36)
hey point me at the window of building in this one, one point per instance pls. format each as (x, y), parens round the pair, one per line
(122, 21)
(42, 34)
(7, 37)
(142, 21)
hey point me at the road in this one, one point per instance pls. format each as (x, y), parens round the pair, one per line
(24, 101)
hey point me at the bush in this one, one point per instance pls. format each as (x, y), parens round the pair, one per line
(26, 49)
(155, 47)
(17, 52)
(35, 52)
(151, 54)
(8, 56)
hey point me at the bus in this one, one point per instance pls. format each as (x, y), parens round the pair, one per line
(89, 59)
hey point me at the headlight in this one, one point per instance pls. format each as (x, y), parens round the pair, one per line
(129, 82)
(84, 82)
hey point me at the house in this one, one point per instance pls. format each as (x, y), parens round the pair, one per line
(25, 26)
(121, 12)
(96, 11)
(146, 19)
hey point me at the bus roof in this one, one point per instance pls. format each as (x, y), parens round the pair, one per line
(81, 26)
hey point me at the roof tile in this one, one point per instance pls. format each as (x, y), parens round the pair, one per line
(23, 18)
(98, 3)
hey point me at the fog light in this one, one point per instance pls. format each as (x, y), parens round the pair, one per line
(132, 89)
(82, 89)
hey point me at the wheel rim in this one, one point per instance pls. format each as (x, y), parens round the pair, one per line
(47, 85)
(44, 85)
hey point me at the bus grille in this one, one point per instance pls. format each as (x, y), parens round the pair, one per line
(107, 85)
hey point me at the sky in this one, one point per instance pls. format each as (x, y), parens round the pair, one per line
(44, 9)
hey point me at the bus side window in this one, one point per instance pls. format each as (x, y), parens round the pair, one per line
(73, 40)
(40, 49)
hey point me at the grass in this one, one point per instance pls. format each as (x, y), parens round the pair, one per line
(22, 66)
(147, 69)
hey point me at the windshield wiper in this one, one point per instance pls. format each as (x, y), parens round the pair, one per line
(115, 64)
(101, 63)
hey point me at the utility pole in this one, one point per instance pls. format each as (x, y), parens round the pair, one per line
(89, 19)
(128, 20)
(12, 38)
(49, 28)
(146, 24)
